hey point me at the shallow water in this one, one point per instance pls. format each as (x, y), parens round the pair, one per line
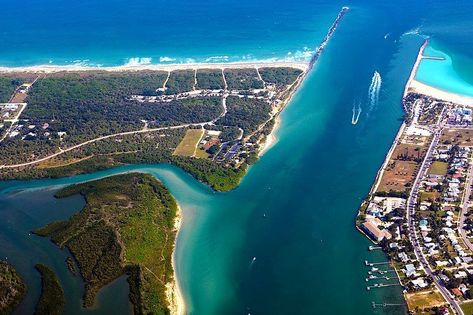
(284, 242)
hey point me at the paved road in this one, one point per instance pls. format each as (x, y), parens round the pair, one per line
(464, 209)
(413, 236)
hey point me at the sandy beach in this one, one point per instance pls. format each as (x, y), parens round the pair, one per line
(153, 67)
(421, 88)
(173, 291)
(271, 139)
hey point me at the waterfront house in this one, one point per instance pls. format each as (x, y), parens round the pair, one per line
(370, 227)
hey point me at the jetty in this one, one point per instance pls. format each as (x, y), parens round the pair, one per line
(327, 37)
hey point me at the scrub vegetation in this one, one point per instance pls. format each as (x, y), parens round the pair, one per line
(52, 299)
(127, 226)
(12, 288)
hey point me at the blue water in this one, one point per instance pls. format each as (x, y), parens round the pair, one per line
(309, 257)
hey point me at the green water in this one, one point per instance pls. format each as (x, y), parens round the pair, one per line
(284, 242)
(294, 211)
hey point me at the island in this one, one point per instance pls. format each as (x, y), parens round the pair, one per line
(12, 288)
(128, 226)
(51, 301)
(419, 209)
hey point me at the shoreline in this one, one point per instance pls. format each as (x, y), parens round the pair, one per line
(425, 89)
(174, 297)
(271, 139)
(416, 86)
(155, 67)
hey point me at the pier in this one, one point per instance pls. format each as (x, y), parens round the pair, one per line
(433, 58)
(367, 263)
(385, 304)
(374, 247)
(381, 285)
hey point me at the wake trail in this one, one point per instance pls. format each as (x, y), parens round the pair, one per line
(373, 90)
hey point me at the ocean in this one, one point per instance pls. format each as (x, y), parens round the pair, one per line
(284, 242)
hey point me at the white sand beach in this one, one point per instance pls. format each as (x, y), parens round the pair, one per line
(271, 139)
(154, 67)
(173, 291)
(421, 88)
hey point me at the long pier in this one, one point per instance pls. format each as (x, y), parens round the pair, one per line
(327, 37)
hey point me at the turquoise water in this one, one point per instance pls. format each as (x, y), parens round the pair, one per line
(295, 210)
(442, 73)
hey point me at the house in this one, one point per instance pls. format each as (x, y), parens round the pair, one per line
(410, 270)
(419, 283)
(457, 292)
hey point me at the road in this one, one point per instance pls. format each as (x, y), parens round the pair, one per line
(144, 130)
(413, 236)
(464, 209)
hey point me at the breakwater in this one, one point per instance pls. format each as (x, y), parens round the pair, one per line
(327, 37)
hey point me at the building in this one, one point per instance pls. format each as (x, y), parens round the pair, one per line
(372, 230)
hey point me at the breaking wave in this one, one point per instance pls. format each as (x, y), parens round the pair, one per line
(166, 59)
(138, 61)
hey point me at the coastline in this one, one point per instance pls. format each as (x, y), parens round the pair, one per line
(174, 297)
(422, 90)
(271, 139)
(155, 67)
(425, 89)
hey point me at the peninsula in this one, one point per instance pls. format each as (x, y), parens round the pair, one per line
(211, 120)
(419, 208)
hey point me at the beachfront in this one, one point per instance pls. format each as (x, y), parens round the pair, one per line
(427, 170)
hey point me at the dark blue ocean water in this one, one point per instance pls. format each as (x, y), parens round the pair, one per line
(115, 32)
(309, 257)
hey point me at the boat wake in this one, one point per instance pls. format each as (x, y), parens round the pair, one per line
(373, 90)
(356, 113)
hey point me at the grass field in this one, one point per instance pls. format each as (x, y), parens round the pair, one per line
(467, 308)
(189, 142)
(424, 299)
(438, 168)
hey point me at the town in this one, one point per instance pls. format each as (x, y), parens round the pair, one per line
(419, 210)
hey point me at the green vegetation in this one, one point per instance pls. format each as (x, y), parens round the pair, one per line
(134, 149)
(7, 87)
(246, 113)
(279, 76)
(12, 288)
(467, 308)
(209, 79)
(438, 168)
(188, 145)
(65, 109)
(180, 81)
(85, 120)
(52, 299)
(242, 79)
(127, 226)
